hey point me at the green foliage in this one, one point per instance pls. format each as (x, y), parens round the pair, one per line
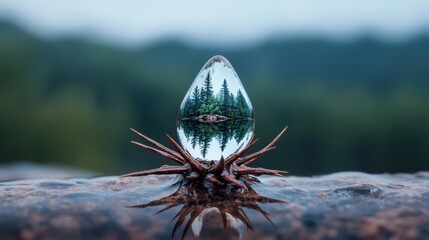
(226, 99)
(224, 104)
(207, 92)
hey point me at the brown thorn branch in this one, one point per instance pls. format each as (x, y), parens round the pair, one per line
(218, 168)
(270, 145)
(230, 178)
(258, 171)
(232, 170)
(166, 149)
(196, 165)
(213, 180)
(235, 156)
(164, 154)
(255, 156)
(161, 170)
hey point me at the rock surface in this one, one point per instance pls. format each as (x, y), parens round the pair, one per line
(28, 170)
(348, 205)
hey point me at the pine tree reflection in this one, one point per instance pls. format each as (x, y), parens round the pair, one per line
(201, 135)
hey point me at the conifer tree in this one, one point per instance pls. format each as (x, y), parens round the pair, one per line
(196, 100)
(224, 99)
(187, 109)
(232, 109)
(207, 91)
(241, 105)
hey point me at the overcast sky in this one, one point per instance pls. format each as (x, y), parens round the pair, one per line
(218, 22)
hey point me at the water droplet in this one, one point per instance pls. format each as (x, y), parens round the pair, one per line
(216, 116)
(216, 94)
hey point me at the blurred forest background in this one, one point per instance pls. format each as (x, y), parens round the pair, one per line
(358, 105)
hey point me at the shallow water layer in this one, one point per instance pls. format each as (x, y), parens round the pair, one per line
(335, 206)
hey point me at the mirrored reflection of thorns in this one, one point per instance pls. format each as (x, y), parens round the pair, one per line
(195, 199)
(232, 170)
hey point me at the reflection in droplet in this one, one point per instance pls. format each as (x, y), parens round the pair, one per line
(211, 141)
(216, 115)
(216, 94)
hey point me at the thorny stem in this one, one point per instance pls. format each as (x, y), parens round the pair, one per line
(228, 170)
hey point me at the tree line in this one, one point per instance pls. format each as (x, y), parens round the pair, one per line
(203, 101)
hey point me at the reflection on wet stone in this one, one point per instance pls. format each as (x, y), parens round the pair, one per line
(211, 209)
(334, 206)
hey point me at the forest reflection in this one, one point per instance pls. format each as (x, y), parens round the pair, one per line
(213, 140)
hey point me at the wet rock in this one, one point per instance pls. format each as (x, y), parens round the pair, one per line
(364, 190)
(28, 170)
(348, 205)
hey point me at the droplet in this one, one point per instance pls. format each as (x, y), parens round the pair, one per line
(216, 116)
(216, 94)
